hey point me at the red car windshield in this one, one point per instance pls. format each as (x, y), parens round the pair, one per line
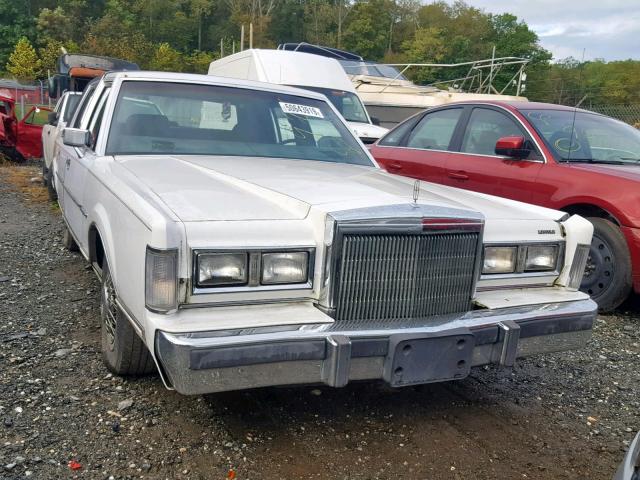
(586, 136)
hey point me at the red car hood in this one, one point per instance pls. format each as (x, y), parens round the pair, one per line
(628, 172)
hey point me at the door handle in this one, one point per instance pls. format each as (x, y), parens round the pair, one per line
(394, 167)
(458, 175)
(68, 162)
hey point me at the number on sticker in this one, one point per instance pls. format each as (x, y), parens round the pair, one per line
(298, 109)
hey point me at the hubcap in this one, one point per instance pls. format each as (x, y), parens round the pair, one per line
(109, 310)
(600, 268)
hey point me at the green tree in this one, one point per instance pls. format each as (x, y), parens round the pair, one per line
(54, 25)
(427, 46)
(24, 63)
(166, 58)
(15, 23)
(198, 62)
(369, 27)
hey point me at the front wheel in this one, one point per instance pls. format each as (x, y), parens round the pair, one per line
(123, 351)
(607, 277)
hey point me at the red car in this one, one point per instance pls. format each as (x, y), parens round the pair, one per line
(21, 139)
(550, 155)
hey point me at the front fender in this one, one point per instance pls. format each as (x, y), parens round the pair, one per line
(100, 220)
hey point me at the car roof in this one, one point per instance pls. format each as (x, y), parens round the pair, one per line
(211, 80)
(522, 105)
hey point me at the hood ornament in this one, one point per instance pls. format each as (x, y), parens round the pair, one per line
(416, 191)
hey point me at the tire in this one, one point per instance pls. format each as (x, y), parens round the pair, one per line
(123, 352)
(45, 172)
(607, 276)
(51, 189)
(68, 241)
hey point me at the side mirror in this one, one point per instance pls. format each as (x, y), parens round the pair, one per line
(375, 121)
(52, 118)
(512, 147)
(76, 137)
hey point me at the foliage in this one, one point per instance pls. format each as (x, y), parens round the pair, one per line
(185, 35)
(15, 23)
(166, 59)
(24, 63)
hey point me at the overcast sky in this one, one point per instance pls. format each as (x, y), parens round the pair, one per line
(608, 29)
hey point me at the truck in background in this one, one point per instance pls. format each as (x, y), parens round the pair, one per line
(303, 70)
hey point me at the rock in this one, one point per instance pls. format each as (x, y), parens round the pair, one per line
(8, 422)
(9, 466)
(63, 352)
(317, 392)
(592, 420)
(20, 460)
(4, 279)
(124, 404)
(146, 467)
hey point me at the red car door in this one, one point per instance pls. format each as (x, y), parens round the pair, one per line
(476, 166)
(29, 143)
(419, 149)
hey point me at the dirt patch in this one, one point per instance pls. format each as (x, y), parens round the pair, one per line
(26, 179)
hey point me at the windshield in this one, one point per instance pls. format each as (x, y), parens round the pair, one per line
(176, 118)
(595, 138)
(353, 67)
(347, 103)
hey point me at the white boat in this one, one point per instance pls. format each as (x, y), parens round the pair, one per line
(390, 97)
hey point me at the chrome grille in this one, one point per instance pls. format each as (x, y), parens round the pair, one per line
(401, 276)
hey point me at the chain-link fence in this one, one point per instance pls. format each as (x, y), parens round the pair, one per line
(627, 113)
(25, 94)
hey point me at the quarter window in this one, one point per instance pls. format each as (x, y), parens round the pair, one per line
(485, 128)
(436, 129)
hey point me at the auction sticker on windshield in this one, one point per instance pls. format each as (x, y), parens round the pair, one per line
(297, 109)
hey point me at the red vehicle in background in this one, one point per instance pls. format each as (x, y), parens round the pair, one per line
(550, 155)
(21, 139)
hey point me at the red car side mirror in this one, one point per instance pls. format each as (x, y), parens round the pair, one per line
(512, 147)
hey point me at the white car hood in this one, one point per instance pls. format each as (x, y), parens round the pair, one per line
(367, 130)
(216, 188)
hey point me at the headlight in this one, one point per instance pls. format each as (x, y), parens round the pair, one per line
(161, 279)
(500, 259)
(541, 258)
(285, 267)
(222, 269)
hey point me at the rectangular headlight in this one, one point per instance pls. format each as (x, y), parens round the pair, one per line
(285, 267)
(161, 270)
(222, 269)
(500, 259)
(541, 258)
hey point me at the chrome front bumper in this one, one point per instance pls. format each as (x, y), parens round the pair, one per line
(436, 349)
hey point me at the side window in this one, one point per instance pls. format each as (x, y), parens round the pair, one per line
(96, 119)
(395, 136)
(70, 107)
(485, 128)
(37, 117)
(84, 101)
(435, 130)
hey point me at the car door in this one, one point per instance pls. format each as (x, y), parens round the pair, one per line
(81, 160)
(29, 143)
(475, 165)
(48, 132)
(69, 165)
(423, 150)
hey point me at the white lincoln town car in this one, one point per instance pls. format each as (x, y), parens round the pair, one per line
(245, 238)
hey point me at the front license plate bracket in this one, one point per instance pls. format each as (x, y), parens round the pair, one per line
(415, 359)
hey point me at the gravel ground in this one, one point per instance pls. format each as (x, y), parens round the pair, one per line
(562, 416)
